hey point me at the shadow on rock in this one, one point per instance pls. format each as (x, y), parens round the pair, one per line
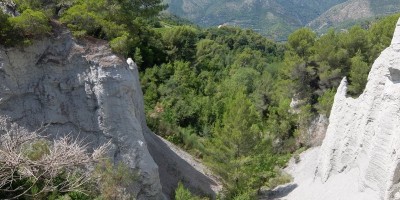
(177, 166)
(278, 192)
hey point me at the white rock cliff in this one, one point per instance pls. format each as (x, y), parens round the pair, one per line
(79, 87)
(360, 155)
(364, 133)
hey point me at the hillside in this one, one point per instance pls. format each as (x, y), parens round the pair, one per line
(273, 18)
(344, 13)
(276, 19)
(237, 102)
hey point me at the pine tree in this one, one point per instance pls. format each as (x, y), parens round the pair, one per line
(234, 143)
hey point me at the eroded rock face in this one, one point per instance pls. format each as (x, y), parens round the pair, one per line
(82, 89)
(364, 133)
(9, 7)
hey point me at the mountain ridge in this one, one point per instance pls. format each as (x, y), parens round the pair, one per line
(276, 19)
(344, 12)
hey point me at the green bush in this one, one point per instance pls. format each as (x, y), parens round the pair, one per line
(33, 24)
(112, 179)
(122, 45)
(82, 21)
(325, 102)
(181, 193)
(8, 35)
(37, 149)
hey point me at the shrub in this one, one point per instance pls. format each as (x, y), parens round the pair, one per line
(181, 193)
(325, 102)
(122, 45)
(33, 24)
(112, 180)
(81, 21)
(280, 179)
(8, 35)
(32, 166)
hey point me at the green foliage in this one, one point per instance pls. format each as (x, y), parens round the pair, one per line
(50, 7)
(315, 66)
(225, 95)
(234, 143)
(358, 74)
(122, 45)
(113, 178)
(8, 35)
(32, 23)
(36, 150)
(180, 42)
(181, 193)
(22, 29)
(124, 23)
(380, 35)
(283, 178)
(301, 42)
(325, 102)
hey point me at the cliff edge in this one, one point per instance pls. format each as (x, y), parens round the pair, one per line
(80, 88)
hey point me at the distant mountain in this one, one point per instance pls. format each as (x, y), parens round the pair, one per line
(278, 18)
(352, 11)
(273, 18)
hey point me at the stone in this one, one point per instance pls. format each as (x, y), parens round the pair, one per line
(80, 88)
(363, 132)
(9, 7)
(360, 155)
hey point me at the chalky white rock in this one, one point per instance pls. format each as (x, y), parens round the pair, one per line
(360, 155)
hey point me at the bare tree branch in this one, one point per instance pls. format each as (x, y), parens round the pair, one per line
(66, 157)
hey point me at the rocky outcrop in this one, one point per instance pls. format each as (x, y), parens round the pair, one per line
(364, 132)
(360, 155)
(9, 7)
(78, 87)
(317, 130)
(82, 89)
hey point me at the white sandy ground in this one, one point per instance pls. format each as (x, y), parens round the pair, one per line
(343, 186)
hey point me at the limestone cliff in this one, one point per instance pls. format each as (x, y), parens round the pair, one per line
(79, 88)
(364, 132)
(360, 155)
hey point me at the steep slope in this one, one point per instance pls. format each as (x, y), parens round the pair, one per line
(80, 88)
(274, 18)
(352, 10)
(360, 156)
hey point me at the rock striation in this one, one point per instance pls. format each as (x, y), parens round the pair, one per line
(364, 133)
(82, 89)
(360, 155)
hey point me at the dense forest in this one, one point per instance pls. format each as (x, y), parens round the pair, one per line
(223, 94)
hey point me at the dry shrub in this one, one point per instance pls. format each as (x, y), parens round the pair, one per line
(32, 166)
